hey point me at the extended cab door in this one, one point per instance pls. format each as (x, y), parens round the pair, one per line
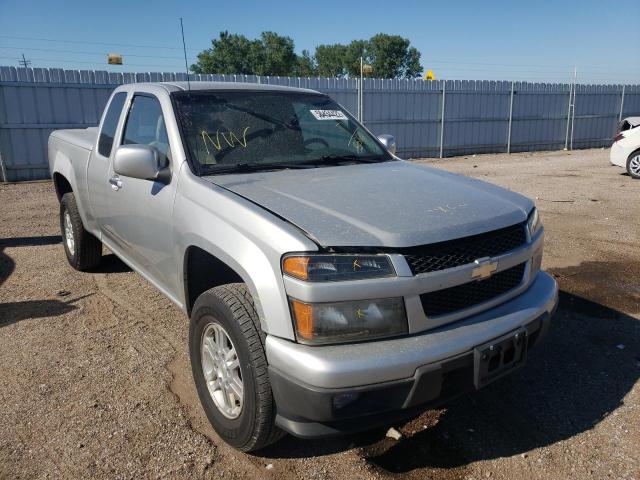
(100, 162)
(138, 222)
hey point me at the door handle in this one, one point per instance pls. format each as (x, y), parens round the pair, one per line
(116, 183)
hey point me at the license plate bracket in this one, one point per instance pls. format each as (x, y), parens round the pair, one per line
(499, 357)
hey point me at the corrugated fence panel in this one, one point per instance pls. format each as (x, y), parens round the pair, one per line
(406, 109)
(597, 110)
(539, 116)
(34, 102)
(476, 117)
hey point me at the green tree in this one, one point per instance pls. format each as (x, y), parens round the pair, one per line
(272, 54)
(276, 55)
(231, 53)
(392, 57)
(330, 60)
(305, 65)
(355, 50)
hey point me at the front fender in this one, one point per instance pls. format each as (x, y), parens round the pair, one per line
(245, 237)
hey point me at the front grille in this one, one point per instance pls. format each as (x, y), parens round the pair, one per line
(470, 294)
(453, 253)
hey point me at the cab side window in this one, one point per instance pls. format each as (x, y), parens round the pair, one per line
(145, 125)
(110, 123)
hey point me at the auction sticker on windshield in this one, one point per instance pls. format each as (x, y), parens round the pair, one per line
(328, 114)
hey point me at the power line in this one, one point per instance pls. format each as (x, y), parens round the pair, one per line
(459, 65)
(528, 65)
(430, 61)
(89, 53)
(85, 42)
(98, 64)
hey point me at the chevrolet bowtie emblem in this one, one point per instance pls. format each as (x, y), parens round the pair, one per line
(484, 269)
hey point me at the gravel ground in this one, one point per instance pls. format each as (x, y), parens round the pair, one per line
(95, 381)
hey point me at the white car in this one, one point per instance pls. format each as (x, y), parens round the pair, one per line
(625, 151)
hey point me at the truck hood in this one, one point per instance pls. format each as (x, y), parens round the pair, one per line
(391, 204)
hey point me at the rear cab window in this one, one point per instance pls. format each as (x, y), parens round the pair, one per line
(110, 124)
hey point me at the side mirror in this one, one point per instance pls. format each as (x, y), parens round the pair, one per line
(140, 161)
(389, 142)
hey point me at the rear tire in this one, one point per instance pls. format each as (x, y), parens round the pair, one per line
(247, 421)
(84, 251)
(633, 165)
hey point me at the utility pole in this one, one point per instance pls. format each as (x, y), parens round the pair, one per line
(24, 62)
(360, 92)
(573, 106)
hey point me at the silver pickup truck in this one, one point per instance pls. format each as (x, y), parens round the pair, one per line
(331, 287)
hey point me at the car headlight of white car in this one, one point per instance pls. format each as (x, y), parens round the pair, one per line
(533, 222)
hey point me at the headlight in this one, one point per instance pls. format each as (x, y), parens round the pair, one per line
(533, 223)
(333, 268)
(340, 322)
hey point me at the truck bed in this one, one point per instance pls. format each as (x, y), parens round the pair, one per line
(84, 138)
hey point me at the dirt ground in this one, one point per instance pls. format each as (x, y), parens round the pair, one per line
(95, 381)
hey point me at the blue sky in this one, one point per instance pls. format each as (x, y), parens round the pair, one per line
(537, 40)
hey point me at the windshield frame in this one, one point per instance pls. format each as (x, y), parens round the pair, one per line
(196, 166)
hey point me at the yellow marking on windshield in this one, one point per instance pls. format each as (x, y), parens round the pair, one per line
(358, 143)
(231, 140)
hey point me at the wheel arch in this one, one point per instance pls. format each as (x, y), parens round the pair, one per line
(62, 173)
(61, 184)
(635, 153)
(202, 271)
(632, 154)
(206, 265)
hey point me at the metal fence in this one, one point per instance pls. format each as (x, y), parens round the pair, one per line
(428, 118)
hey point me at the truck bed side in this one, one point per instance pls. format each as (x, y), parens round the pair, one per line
(69, 154)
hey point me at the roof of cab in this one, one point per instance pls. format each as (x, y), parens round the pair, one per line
(183, 86)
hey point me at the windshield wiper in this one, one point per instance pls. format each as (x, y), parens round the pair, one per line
(252, 167)
(319, 162)
(348, 158)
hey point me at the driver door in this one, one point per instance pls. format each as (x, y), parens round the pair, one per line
(139, 224)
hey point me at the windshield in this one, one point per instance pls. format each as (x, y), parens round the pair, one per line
(251, 130)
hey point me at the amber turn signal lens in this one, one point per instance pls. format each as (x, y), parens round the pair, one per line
(296, 267)
(303, 314)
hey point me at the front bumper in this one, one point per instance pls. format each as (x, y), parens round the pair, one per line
(329, 390)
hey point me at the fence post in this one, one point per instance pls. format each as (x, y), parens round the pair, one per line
(621, 104)
(573, 116)
(359, 98)
(566, 136)
(510, 119)
(444, 84)
(362, 100)
(3, 171)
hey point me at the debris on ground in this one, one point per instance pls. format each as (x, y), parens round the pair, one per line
(393, 433)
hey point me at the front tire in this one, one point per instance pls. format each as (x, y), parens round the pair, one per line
(229, 365)
(633, 165)
(84, 251)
